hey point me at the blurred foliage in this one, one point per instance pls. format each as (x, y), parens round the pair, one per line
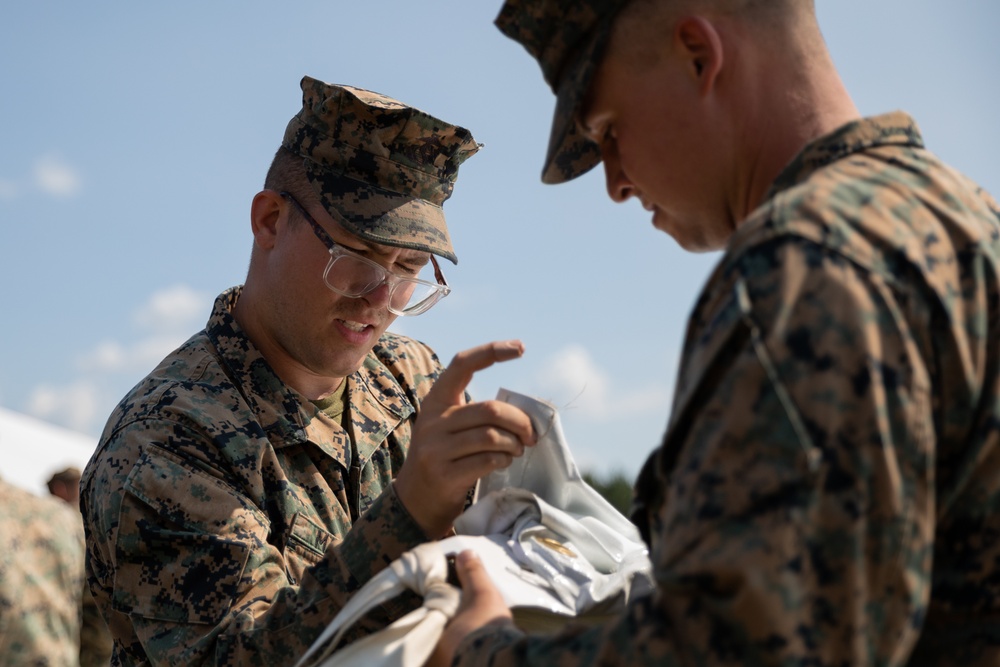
(616, 488)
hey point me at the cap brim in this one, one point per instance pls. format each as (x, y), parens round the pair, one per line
(570, 154)
(382, 216)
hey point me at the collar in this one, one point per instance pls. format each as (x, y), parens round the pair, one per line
(891, 129)
(373, 395)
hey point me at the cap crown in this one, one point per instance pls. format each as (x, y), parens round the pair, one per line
(567, 38)
(553, 31)
(378, 140)
(380, 167)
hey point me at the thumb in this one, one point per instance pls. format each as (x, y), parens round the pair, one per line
(482, 604)
(477, 586)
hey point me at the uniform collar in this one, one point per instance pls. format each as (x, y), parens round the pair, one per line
(891, 129)
(376, 402)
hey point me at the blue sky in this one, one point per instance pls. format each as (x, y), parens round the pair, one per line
(134, 135)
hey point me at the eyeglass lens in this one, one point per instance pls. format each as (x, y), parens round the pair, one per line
(354, 277)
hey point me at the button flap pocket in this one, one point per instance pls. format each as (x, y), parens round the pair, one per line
(180, 562)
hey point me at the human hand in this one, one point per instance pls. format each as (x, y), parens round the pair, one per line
(454, 443)
(481, 605)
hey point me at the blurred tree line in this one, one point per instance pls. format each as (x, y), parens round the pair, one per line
(616, 487)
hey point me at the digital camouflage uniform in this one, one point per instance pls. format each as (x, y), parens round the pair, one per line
(828, 487)
(95, 639)
(41, 580)
(827, 490)
(96, 645)
(228, 518)
(221, 505)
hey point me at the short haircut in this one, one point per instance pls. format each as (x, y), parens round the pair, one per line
(69, 476)
(288, 173)
(642, 22)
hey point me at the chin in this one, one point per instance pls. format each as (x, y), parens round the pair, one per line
(703, 245)
(696, 243)
(696, 237)
(340, 367)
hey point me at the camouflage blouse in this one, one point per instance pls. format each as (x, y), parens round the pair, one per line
(827, 492)
(222, 507)
(41, 580)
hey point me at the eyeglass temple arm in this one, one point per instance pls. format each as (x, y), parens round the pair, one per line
(437, 273)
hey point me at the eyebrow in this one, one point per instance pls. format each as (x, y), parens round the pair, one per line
(371, 247)
(416, 261)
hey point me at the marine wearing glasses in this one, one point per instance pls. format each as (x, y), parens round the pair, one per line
(351, 275)
(271, 465)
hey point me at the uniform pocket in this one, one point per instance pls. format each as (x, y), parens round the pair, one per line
(181, 562)
(306, 546)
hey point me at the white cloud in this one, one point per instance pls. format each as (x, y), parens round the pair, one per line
(115, 357)
(74, 406)
(165, 321)
(148, 352)
(175, 308)
(171, 315)
(107, 356)
(570, 376)
(55, 177)
(572, 380)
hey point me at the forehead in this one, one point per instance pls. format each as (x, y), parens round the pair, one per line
(616, 50)
(599, 94)
(638, 64)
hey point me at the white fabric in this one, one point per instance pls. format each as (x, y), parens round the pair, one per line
(411, 639)
(553, 546)
(543, 495)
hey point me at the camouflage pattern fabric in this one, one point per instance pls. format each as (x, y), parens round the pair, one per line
(95, 639)
(96, 645)
(827, 492)
(567, 38)
(381, 168)
(41, 580)
(221, 510)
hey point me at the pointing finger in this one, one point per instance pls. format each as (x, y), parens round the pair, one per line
(450, 386)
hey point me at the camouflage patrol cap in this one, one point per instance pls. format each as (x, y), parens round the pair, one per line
(567, 38)
(381, 168)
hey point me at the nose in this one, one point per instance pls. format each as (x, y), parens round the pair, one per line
(378, 297)
(619, 186)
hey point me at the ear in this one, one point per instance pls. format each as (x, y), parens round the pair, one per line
(698, 40)
(265, 212)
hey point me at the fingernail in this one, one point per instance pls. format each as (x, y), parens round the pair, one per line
(515, 345)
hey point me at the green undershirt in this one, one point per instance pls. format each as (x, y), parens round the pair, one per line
(335, 407)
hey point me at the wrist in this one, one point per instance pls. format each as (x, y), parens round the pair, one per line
(413, 501)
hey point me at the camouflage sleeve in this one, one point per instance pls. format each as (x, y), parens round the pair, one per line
(95, 640)
(796, 511)
(179, 554)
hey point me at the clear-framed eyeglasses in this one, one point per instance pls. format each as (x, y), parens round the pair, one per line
(351, 275)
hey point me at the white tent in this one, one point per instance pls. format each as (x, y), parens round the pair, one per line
(33, 449)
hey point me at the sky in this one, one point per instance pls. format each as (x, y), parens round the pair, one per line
(134, 135)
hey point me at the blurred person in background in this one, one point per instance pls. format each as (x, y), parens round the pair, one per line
(41, 580)
(95, 639)
(65, 484)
